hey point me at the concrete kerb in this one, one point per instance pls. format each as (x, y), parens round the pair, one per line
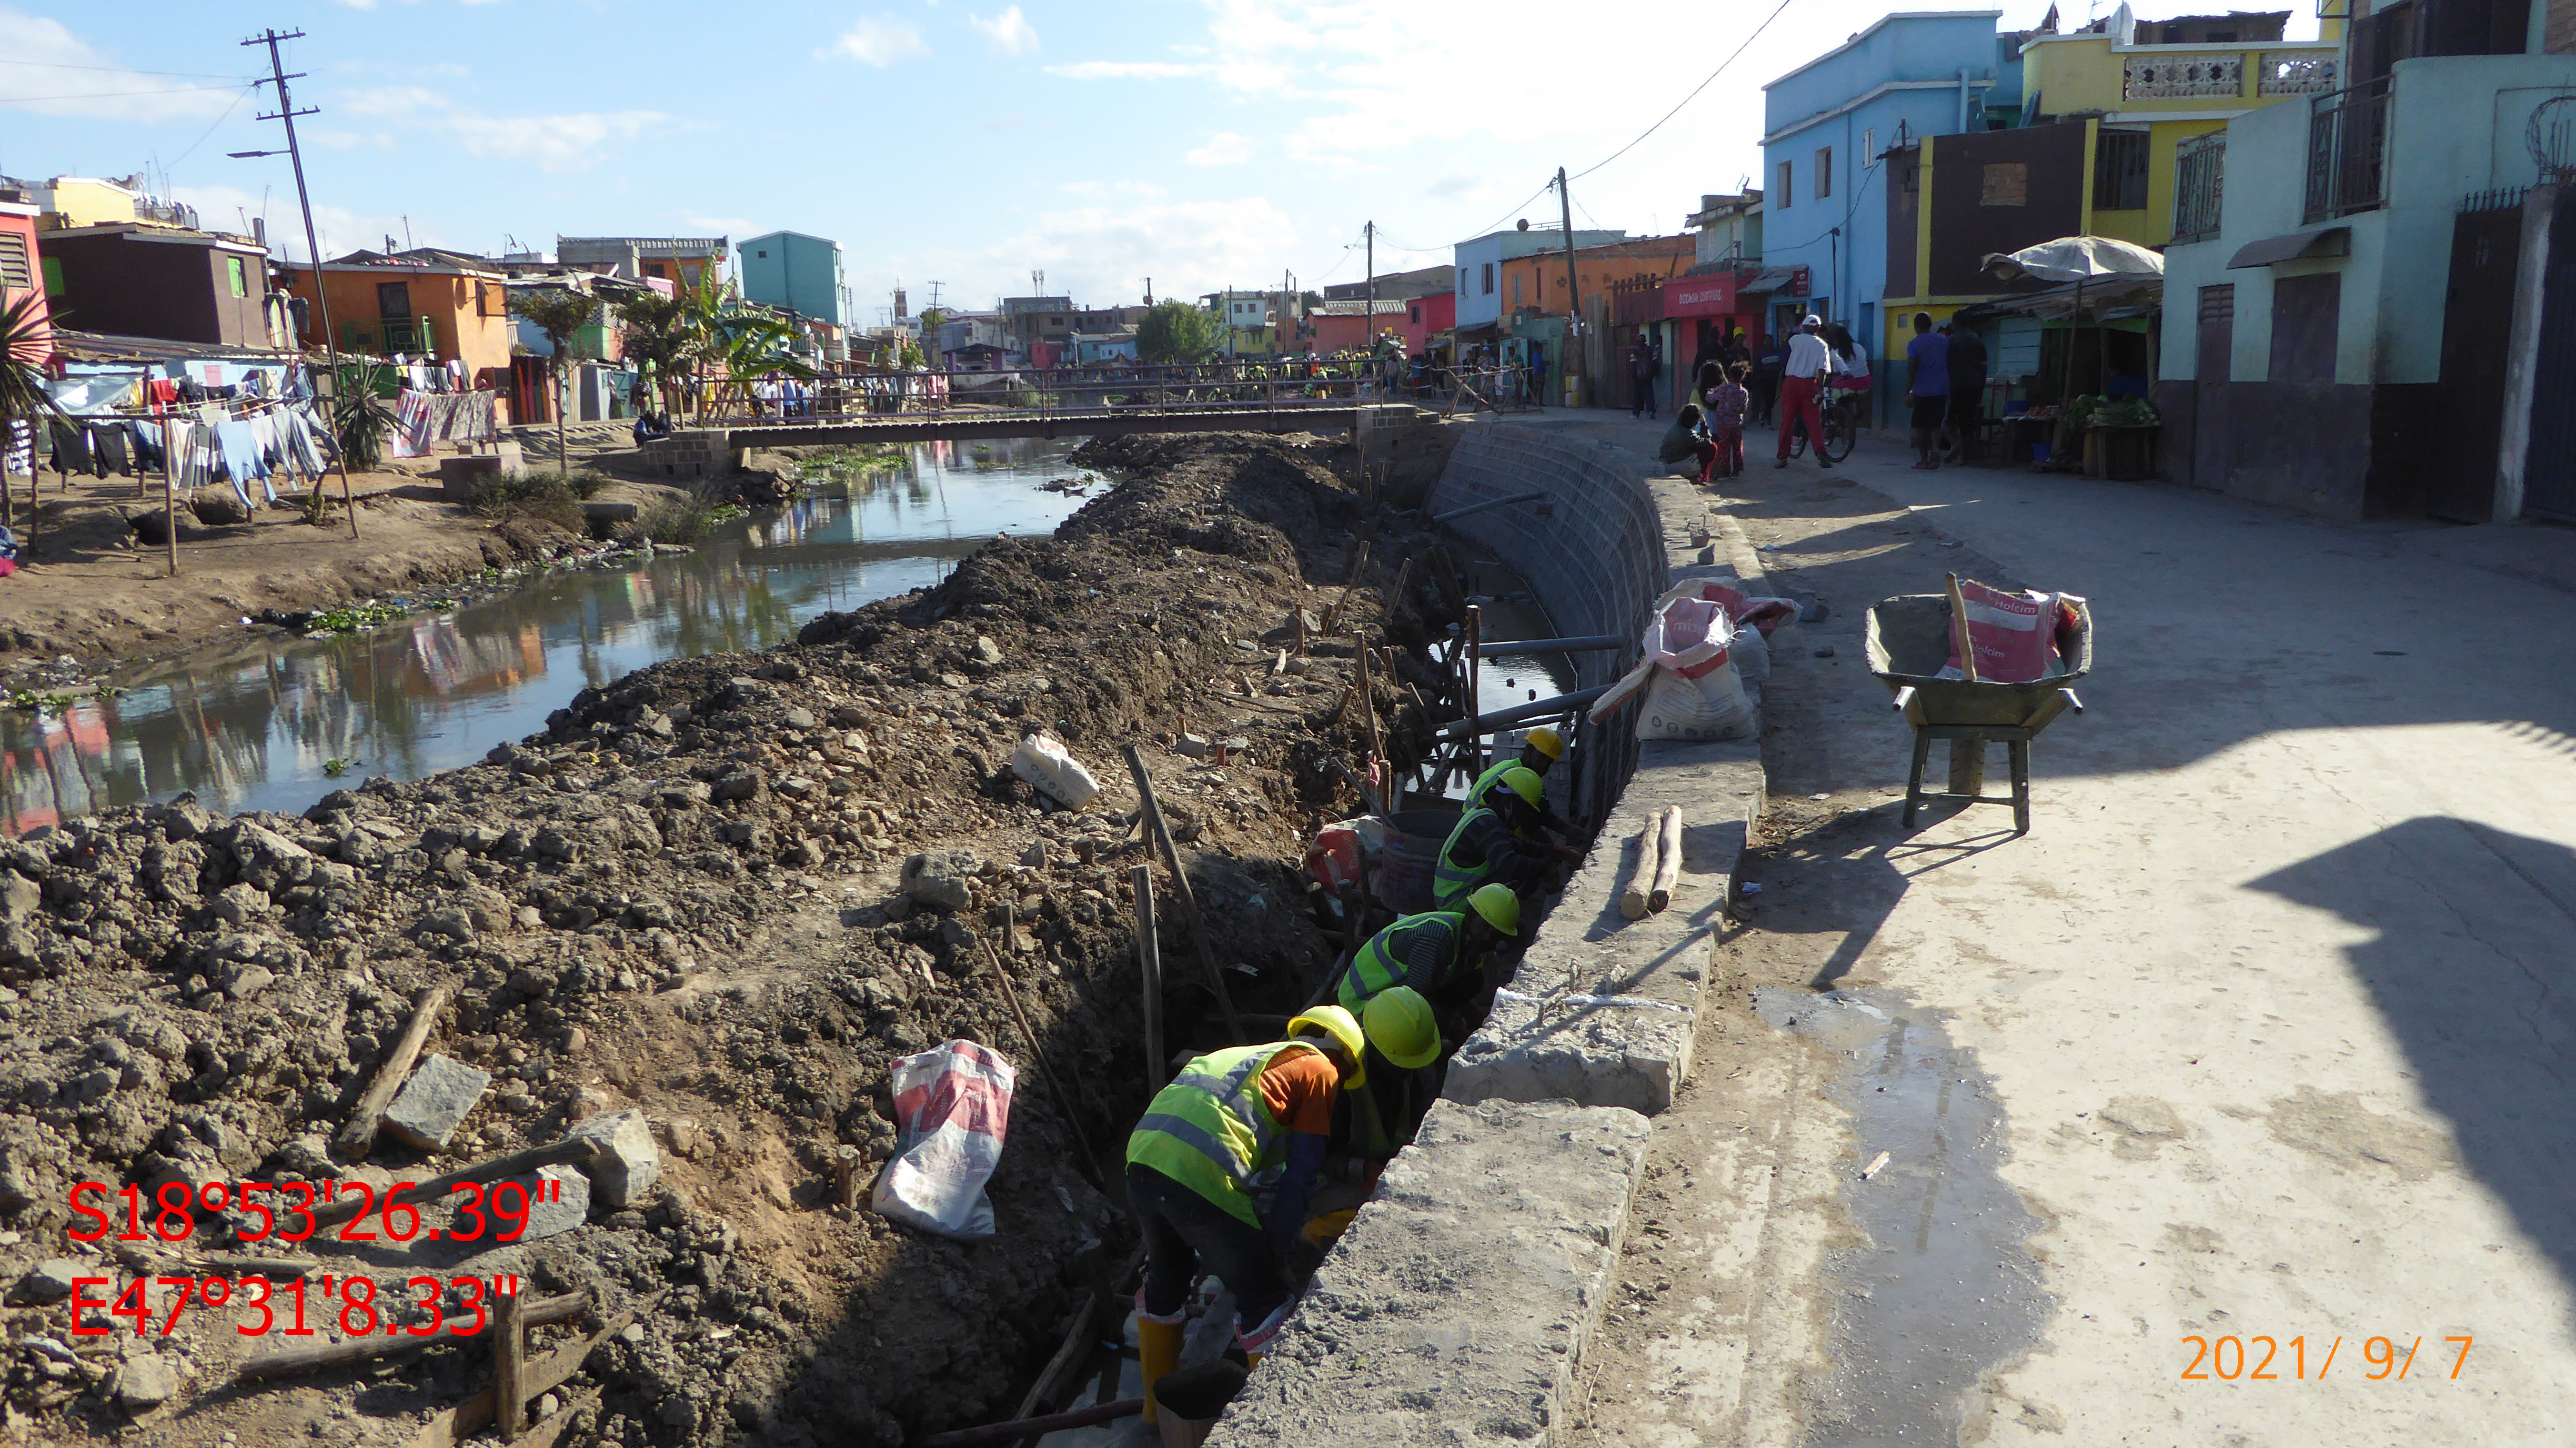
(1458, 1306)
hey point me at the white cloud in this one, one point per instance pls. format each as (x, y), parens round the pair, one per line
(1187, 247)
(343, 231)
(1104, 189)
(1127, 70)
(735, 227)
(880, 40)
(56, 73)
(568, 141)
(1008, 33)
(1225, 148)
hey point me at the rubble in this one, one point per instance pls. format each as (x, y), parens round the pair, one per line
(644, 920)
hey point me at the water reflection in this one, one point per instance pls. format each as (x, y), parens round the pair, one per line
(260, 724)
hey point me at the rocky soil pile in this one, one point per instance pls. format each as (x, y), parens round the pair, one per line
(690, 896)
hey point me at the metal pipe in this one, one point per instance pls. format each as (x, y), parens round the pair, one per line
(1589, 643)
(1518, 713)
(1494, 503)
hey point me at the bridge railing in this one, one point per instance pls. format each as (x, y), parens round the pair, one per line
(854, 395)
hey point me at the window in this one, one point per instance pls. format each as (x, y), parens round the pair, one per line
(1868, 144)
(2306, 323)
(1486, 274)
(393, 300)
(1414, 314)
(13, 263)
(2217, 335)
(2007, 183)
(764, 256)
(1784, 188)
(54, 276)
(1824, 173)
(2120, 171)
(238, 275)
(1516, 290)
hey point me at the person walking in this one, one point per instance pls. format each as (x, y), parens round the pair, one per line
(1641, 378)
(1808, 368)
(1724, 405)
(1967, 383)
(1927, 390)
(1764, 383)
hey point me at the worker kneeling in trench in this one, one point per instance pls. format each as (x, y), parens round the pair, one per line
(1228, 1119)
(1418, 987)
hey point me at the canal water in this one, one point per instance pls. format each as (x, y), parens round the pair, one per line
(277, 721)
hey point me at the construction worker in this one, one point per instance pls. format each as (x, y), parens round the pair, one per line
(1496, 842)
(1542, 748)
(1227, 1118)
(1437, 952)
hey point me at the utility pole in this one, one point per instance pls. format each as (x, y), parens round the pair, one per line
(1149, 291)
(287, 112)
(1573, 284)
(1369, 307)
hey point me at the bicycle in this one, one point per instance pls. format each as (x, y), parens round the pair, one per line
(1841, 419)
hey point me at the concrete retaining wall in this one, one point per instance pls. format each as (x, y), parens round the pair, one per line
(1459, 1304)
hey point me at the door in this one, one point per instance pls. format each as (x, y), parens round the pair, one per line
(2485, 247)
(2549, 472)
(2216, 361)
(2307, 317)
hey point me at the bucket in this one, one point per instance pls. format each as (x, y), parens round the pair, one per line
(1413, 841)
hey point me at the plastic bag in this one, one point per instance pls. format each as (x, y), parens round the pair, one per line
(952, 1105)
(1687, 684)
(1752, 655)
(2015, 634)
(1052, 772)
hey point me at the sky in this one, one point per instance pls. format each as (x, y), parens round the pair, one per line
(1198, 143)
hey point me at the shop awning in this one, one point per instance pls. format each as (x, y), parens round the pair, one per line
(1771, 279)
(2297, 246)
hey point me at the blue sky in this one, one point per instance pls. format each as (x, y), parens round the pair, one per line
(1198, 142)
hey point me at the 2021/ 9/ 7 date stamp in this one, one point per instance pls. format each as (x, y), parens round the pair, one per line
(2264, 1359)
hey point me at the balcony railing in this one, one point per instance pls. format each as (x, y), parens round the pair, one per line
(385, 336)
(2348, 151)
(2200, 182)
(2297, 75)
(2177, 77)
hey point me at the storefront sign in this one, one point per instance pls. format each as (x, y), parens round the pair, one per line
(1709, 296)
(1798, 283)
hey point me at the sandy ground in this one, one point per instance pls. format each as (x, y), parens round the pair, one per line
(2248, 1067)
(87, 587)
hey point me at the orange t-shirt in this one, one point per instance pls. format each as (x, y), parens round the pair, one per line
(1300, 1087)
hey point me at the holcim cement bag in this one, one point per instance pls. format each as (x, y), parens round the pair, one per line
(2014, 634)
(1052, 772)
(952, 1104)
(1687, 680)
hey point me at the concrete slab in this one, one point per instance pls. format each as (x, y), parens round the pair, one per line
(1458, 1307)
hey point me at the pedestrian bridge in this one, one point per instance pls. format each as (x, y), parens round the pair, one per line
(972, 424)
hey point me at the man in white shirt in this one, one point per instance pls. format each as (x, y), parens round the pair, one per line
(1810, 363)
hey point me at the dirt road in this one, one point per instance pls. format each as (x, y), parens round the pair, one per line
(2231, 1104)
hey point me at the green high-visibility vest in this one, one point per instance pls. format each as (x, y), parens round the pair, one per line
(1492, 776)
(1380, 963)
(1212, 1131)
(1451, 882)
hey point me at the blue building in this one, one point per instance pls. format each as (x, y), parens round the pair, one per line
(799, 272)
(1826, 126)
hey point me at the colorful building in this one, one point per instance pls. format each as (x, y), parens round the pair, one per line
(2379, 322)
(133, 280)
(679, 260)
(382, 305)
(797, 272)
(21, 268)
(1536, 283)
(1484, 293)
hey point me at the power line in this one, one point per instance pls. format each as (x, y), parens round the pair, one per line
(246, 94)
(126, 70)
(111, 95)
(1686, 100)
(1515, 210)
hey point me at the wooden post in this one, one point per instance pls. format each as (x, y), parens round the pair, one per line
(1359, 565)
(170, 505)
(1188, 898)
(1368, 697)
(1149, 964)
(1037, 1053)
(345, 1351)
(1474, 744)
(1632, 900)
(1968, 756)
(1669, 866)
(846, 1174)
(359, 1136)
(510, 1366)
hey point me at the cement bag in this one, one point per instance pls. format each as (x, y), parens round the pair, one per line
(1052, 772)
(1752, 655)
(952, 1104)
(1764, 614)
(2014, 634)
(1686, 687)
(1712, 706)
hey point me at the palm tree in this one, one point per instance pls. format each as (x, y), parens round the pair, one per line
(558, 312)
(658, 333)
(753, 345)
(26, 343)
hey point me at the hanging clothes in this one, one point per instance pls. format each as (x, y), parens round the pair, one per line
(20, 455)
(71, 447)
(242, 461)
(114, 450)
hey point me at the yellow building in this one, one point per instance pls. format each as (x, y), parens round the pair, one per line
(2150, 87)
(70, 201)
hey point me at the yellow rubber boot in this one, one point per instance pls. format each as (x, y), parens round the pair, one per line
(1158, 1351)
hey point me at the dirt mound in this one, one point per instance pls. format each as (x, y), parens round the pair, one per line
(684, 897)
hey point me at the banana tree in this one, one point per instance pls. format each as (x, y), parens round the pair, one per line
(750, 346)
(558, 312)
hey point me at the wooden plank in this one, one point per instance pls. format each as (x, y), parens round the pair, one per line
(318, 1356)
(517, 1163)
(359, 1136)
(1188, 899)
(1669, 864)
(1149, 965)
(510, 1365)
(470, 1417)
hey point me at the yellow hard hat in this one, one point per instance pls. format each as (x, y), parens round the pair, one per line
(1523, 782)
(1337, 1023)
(1500, 908)
(1400, 1026)
(1546, 741)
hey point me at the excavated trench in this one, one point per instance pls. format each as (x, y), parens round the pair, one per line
(686, 896)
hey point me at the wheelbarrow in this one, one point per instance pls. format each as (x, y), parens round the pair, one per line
(1909, 643)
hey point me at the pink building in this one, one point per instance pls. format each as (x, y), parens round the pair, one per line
(22, 268)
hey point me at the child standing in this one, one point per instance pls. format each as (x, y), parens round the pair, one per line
(1726, 402)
